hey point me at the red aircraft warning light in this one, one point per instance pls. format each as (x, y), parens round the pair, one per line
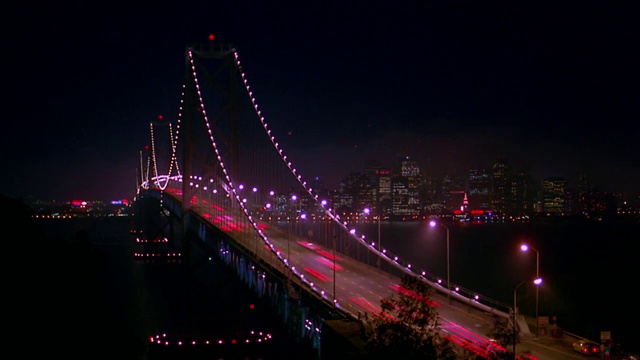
(211, 37)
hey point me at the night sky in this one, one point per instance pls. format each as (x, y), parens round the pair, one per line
(552, 85)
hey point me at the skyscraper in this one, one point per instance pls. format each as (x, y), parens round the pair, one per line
(501, 186)
(554, 194)
(479, 189)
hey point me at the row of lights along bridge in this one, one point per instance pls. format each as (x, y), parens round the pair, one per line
(367, 212)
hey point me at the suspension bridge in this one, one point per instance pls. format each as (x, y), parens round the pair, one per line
(218, 179)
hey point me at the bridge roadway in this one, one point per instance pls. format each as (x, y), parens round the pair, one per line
(360, 287)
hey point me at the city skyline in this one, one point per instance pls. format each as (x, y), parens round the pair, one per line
(459, 178)
(463, 173)
(552, 87)
(498, 189)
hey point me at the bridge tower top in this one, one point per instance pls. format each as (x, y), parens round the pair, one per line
(211, 50)
(219, 85)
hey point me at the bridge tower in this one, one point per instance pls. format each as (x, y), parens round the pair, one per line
(220, 89)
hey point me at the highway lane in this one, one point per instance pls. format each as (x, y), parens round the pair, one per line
(359, 288)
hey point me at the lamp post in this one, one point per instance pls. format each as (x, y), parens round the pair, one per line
(293, 198)
(537, 281)
(334, 270)
(379, 244)
(256, 198)
(433, 223)
(368, 211)
(525, 248)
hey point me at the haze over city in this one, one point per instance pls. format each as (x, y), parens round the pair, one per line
(456, 84)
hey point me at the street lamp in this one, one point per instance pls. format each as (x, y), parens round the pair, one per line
(525, 248)
(293, 198)
(379, 244)
(433, 223)
(537, 281)
(256, 197)
(334, 270)
(367, 211)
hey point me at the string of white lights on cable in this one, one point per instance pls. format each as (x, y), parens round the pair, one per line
(153, 153)
(174, 146)
(142, 179)
(335, 217)
(292, 169)
(163, 181)
(147, 173)
(289, 165)
(174, 139)
(229, 182)
(383, 253)
(309, 190)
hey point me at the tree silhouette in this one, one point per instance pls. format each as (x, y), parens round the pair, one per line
(408, 327)
(502, 334)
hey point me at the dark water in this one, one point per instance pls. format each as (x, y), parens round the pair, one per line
(590, 270)
(589, 273)
(114, 303)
